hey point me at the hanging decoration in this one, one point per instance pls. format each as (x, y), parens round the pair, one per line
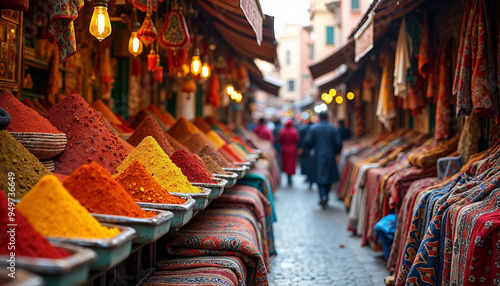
(196, 62)
(134, 44)
(100, 25)
(213, 91)
(142, 5)
(152, 60)
(174, 36)
(205, 68)
(61, 26)
(147, 33)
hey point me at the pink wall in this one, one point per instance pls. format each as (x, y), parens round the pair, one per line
(349, 18)
(305, 61)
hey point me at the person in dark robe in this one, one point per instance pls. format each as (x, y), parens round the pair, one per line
(345, 133)
(289, 138)
(325, 143)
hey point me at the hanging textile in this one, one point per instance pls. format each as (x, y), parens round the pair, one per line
(143, 5)
(469, 138)
(386, 108)
(402, 62)
(213, 90)
(474, 82)
(61, 27)
(424, 50)
(174, 36)
(443, 110)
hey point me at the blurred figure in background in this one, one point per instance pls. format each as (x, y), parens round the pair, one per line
(304, 152)
(277, 144)
(289, 138)
(324, 140)
(345, 133)
(263, 132)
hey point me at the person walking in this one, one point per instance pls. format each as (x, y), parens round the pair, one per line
(324, 140)
(263, 132)
(303, 151)
(289, 138)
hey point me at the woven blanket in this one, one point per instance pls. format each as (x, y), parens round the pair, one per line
(171, 269)
(250, 198)
(260, 181)
(213, 276)
(223, 232)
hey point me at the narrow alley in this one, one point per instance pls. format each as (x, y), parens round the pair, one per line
(314, 246)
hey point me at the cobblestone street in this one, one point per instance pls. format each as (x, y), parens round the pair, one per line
(309, 243)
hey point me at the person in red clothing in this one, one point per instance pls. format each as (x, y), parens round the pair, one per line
(263, 132)
(289, 138)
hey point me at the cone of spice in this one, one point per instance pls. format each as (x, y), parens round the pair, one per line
(95, 188)
(190, 168)
(89, 138)
(213, 166)
(15, 158)
(176, 144)
(51, 209)
(23, 118)
(201, 164)
(143, 187)
(29, 242)
(159, 165)
(201, 124)
(215, 155)
(149, 127)
(196, 141)
(100, 106)
(138, 118)
(182, 129)
(227, 155)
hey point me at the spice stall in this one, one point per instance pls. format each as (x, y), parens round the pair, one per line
(419, 179)
(109, 161)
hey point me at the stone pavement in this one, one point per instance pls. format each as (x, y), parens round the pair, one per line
(309, 243)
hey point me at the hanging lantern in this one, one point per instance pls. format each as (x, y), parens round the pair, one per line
(205, 68)
(100, 25)
(147, 33)
(188, 86)
(229, 89)
(152, 60)
(196, 62)
(174, 36)
(143, 5)
(134, 44)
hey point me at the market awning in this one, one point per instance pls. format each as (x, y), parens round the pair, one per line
(382, 12)
(250, 36)
(257, 78)
(334, 81)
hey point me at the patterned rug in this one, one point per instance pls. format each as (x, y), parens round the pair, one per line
(223, 232)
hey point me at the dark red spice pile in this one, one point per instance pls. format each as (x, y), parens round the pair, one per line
(149, 127)
(89, 138)
(190, 168)
(23, 118)
(28, 242)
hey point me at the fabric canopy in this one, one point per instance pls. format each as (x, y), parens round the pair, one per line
(385, 11)
(257, 79)
(335, 81)
(238, 31)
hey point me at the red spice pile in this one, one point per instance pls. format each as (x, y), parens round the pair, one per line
(23, 118)
(28, 241)
(190, 168)
(200, 163)
(89, 138)
(202, 124)
(98, 192)
(138, 118)
(149, 127)
(232, 153)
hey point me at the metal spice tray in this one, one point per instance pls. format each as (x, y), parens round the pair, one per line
(201, 199)
(232, 178)
(216, 189)
(147, 229)
(241, 171)
(182, 213)
(71, 270)
(110, 251)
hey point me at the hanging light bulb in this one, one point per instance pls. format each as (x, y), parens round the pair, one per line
(134, 44)
(100, 26)
(229, 89)
(205, 68)
(196, 62)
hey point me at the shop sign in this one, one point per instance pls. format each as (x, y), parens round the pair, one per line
(254, 16)
(363, 39)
